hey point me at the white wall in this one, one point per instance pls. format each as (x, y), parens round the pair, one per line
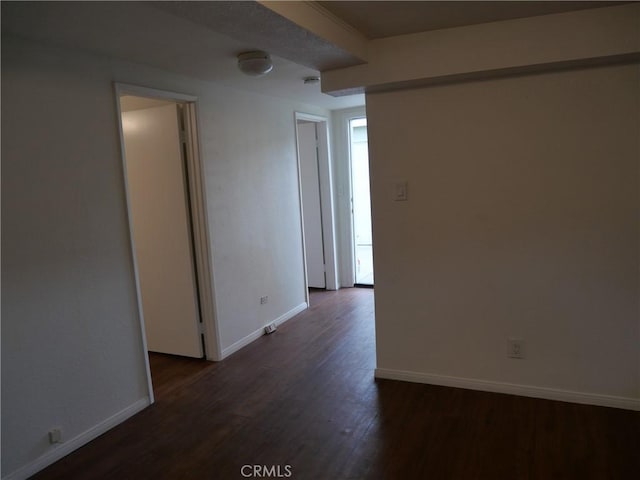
(72, 354)
(522, 221)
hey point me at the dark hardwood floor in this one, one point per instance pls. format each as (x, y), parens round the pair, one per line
(304, 399)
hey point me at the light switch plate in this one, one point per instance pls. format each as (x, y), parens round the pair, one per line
(400, 191)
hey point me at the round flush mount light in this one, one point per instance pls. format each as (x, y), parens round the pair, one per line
(311, 80)
(256, 63)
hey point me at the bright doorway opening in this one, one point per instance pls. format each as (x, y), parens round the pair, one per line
(361, 202)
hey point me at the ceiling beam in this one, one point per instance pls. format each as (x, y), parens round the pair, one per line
(322, 23)
(521, 46)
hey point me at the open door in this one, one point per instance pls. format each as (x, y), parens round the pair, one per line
(311, 203)
(162, 235)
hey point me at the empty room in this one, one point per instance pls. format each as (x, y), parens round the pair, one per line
(320, 240)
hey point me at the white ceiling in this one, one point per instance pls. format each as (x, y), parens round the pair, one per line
(202, 39)
(143, 33)
(129, 103)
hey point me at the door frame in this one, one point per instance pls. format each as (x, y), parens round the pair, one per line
(326, 200)
(198, 218)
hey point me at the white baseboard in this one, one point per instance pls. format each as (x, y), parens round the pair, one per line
(512, 389)
(65, 448)
(291, 313)
(243, 342)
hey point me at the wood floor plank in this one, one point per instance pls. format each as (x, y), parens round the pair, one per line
(305, 396)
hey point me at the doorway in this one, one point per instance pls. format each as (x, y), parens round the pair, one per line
(361, 203)
(160, 216)
(311, 204)
(316, 201)
(167, 221)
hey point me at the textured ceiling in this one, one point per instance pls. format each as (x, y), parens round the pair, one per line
(202, 39)
(253, 23)
(389, 18)
(185, 39)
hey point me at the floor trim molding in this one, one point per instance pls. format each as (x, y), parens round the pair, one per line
(512, 389)
(68, 446)
(243, 342)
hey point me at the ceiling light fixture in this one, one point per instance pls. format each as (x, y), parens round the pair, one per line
(256, 63)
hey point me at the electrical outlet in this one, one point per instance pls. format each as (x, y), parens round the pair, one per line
(515, 348)
(264, 299)
(272, 327)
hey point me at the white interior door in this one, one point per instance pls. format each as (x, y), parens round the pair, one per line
(311, 210)
(161, 230)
